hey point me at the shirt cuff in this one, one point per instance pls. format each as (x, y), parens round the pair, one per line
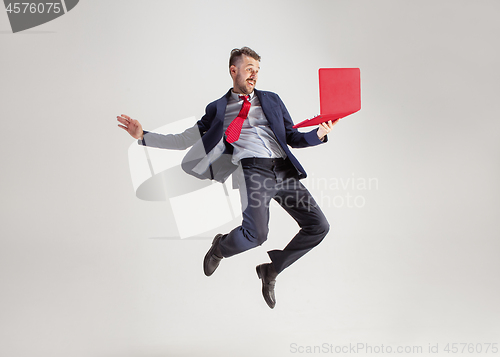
(142, 141)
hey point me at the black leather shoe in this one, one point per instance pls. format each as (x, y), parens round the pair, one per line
(268, 281)
(212, 260)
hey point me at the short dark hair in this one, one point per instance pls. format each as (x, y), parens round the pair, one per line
(238, 52)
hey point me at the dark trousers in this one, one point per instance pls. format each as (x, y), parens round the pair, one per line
(266, 179)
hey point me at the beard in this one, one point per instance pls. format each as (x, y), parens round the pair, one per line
(244, 86)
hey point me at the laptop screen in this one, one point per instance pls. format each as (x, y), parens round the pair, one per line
(339, 90)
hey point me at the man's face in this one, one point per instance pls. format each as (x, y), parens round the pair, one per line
(245, 74)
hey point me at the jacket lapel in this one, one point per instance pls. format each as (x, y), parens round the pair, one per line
(272, 114)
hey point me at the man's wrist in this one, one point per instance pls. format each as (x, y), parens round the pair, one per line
(320, 137)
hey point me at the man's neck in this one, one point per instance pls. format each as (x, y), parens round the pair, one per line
(239, 96)
(243, 94)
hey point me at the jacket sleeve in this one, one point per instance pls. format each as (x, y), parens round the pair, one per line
(179, 141)
(182, 140)
(295, 138)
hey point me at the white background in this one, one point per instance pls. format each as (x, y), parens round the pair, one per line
(84, 270)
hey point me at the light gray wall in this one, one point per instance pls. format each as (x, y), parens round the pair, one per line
(81, 273)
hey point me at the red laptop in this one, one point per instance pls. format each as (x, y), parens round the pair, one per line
(339, 95)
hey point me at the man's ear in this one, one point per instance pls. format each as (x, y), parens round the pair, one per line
(232, 71)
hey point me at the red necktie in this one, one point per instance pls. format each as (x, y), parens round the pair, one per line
(233, 131)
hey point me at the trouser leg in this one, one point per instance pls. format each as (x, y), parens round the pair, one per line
(263, 182)
(258, 190)
(299, 203)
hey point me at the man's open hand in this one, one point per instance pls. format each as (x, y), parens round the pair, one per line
(132, 126)
(325, 128)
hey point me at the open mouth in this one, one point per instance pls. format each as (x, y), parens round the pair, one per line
(251, 82)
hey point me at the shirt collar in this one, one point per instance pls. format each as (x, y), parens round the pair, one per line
(237, 96)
